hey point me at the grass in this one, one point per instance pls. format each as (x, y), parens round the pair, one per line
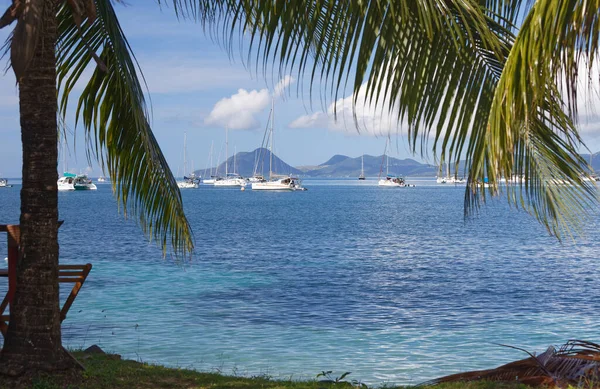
(104, 371)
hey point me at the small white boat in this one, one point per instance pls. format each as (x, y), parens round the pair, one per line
(231, 180)
(256, 178)
(4, 183)
(82, 182)
(391, 181)
(70, 181)
(285, 183)
(66, 182)
(101, 179)
(188, 183)
(450, 180)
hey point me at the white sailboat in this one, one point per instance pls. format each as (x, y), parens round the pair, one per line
(211, 180)
(362, 168)
(390, 180)
(276, 182)
(188, 182)
(449, 179)
(231, 179)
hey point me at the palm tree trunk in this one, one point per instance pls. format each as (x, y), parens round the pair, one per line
(33, 342)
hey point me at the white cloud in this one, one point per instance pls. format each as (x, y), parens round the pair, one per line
(239, 111)
(282, 85)
(371, 119)
(316, 120)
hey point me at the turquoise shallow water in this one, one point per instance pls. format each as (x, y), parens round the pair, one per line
(389, 284)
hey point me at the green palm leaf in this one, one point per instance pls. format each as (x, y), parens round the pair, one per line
(453, 71)
(113, 112)
(531, 128)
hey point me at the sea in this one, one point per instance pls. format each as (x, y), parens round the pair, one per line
(394, 286)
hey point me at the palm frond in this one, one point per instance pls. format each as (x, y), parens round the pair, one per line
(575, 363)
(531, 129)
(113, 112)
(453, 71)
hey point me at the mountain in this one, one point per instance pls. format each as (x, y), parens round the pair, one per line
(335, 160)
(342, 166)
(245, 162)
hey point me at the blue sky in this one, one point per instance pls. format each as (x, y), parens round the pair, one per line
(196, 88)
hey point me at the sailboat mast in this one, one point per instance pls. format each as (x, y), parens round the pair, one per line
(211, 157)
(234, 154)
(226, 151)
(387, 165)
(271, 141)
(184, 144)
(64, 147)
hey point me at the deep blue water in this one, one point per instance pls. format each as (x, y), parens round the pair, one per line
(390, 284)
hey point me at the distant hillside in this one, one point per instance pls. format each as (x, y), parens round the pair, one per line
(336, 159)
(342, 166)
(245, 162)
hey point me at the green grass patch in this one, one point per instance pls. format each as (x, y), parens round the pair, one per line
(105, 371)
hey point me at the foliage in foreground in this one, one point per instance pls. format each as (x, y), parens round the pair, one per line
(108, 371)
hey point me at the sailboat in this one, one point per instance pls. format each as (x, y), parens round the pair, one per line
(448, 179)
(362, 168)
(230, 179)
(210, 180)
(276, 182)
(188, 182)
(390, 180)
(4, 183)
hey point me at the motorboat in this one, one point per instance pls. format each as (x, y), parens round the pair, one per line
(82, 182)
(71, 181)
(66, 182)
(4, 183)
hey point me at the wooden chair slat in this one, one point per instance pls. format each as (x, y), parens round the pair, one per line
(76, 267)
(75, 274)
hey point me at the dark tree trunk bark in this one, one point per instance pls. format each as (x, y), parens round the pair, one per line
(33, 342)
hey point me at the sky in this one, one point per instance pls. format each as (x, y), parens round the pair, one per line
(196, 88)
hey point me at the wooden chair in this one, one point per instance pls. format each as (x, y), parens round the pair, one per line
(75, 274)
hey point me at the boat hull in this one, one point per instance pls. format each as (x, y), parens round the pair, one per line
(187, 185)
(231, 183)
(390, 184)
(85, 187)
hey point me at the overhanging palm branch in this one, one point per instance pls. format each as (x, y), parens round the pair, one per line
(531, 127)
(574, 363)
(113, 112)
(443, 67)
